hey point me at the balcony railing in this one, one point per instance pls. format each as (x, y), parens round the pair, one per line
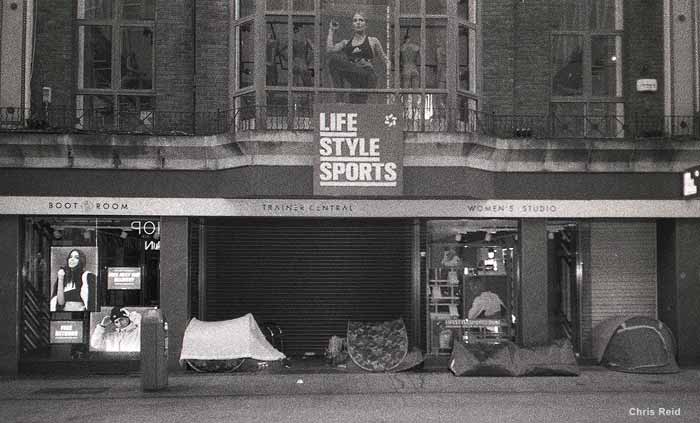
(289, 118)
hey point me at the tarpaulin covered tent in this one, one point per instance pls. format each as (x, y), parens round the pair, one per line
(635, 344)
(507, 359)
(225, 343)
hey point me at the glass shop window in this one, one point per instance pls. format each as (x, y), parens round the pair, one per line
(86, 284)
(471, 282)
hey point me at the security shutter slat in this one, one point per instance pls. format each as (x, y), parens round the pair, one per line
(194, 267)
(310, 276)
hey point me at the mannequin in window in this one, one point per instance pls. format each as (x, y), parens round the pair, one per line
(303, 58)
(490, 263)
(352, 59)
(450, 258)
(410, 61)
(131, 77)
(441, 62)
(486, 305)
(273, 54)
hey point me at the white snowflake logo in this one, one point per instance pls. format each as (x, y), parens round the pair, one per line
(390, 120)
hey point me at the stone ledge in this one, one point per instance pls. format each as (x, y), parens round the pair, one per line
(289, 148)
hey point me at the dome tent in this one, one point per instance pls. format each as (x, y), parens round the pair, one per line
(224, 345)
(635, 344)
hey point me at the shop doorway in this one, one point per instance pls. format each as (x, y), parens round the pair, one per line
(564, 281)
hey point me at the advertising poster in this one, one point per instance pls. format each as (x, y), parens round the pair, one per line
(361, 47)
(359, 150)
(66, 332)
(73, 278)
(117, 329)
(123, 278)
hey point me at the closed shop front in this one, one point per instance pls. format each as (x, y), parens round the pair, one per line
(309, 276)
(620, 275)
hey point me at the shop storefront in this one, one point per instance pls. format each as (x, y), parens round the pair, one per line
(530, 271)
(85, 283)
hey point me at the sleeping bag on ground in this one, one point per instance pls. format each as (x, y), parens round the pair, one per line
(483, 359)
(554, 359)
(507, 359)
(222, 344)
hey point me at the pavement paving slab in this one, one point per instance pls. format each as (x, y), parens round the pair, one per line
(183, 384)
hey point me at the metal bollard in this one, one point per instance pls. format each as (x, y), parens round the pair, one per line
(154, 351)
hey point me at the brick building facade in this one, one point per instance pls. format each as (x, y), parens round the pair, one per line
(554, 132)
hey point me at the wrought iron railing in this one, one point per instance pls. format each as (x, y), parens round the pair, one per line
(107, 120)
(294, 118)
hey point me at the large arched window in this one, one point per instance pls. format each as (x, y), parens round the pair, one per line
(419, 53)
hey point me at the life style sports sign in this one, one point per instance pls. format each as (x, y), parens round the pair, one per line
(359, 150)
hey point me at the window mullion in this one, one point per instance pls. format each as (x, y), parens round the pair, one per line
(423, 55)
(320, 46)
(395, 57)
(290, 55)
(587, 60)
(116, 56)
(116, 46)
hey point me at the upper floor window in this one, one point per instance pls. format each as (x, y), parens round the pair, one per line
(366, 52)
(587, 65)
(115, 63)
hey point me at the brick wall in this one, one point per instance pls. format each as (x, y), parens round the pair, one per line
(174, 57)
(532, 91)
(643, 55)
(497, 56)
(212, 55)
(53, 56)
(517, 48)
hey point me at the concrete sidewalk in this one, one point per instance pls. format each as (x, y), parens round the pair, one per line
(593, 379)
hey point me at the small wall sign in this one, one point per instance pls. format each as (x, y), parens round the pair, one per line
(647, 85)
(691, 180)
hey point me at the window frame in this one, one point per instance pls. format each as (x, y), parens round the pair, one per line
(451, 22)
(587, 35)
(116, 24)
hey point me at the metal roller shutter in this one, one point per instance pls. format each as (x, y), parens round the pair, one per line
(310, 276)
(623, 276)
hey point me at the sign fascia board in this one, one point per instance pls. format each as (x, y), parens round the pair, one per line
(344, 208)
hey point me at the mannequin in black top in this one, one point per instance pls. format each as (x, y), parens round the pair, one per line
(351, 60)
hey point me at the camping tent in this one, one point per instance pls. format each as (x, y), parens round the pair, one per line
(381, 346)
(226, 340)
(635, 344)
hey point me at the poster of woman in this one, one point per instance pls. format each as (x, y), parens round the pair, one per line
(73, 278)
(355, 45)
